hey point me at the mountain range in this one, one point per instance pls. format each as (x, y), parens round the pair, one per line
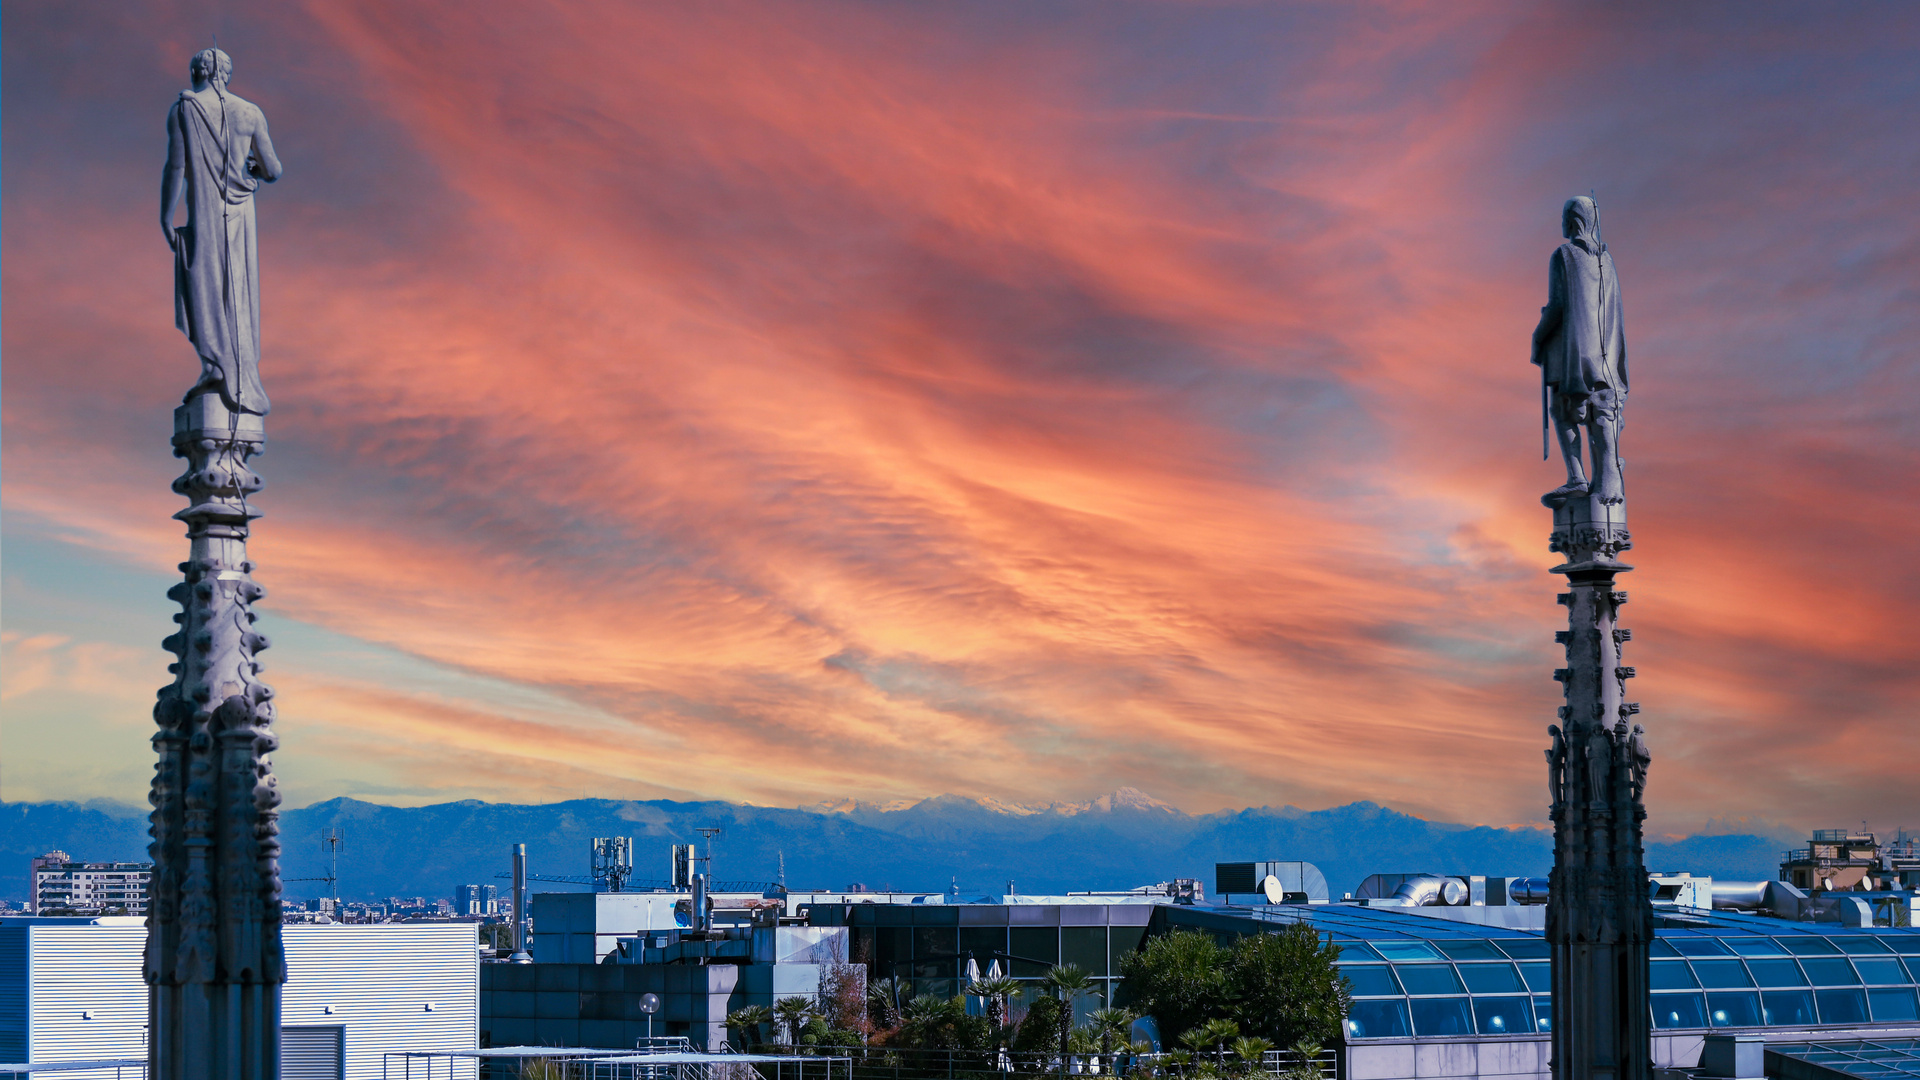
(1117, 841)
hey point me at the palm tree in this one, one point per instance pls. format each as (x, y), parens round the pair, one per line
(1068, 982)
(880, 1002)
(1308, 1067)
(1217, 1033)
(1252, 1049)
(793, 1013)
(750, 1020)
(1110, 1026)
(994, 994)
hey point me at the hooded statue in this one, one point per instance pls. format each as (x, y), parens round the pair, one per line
(1581, 348)
(218, 150)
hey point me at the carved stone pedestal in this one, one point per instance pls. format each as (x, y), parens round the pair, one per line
(214, 963)
(1599, 919)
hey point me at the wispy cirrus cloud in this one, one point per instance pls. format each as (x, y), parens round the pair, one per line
(852, 398)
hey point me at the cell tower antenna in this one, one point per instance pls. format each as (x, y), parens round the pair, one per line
(330, 841)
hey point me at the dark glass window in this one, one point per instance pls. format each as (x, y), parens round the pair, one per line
(1679, 1011)
(1543, 1013)
(1429, 978)
(1830, 971)
(1378, 1020)
(892, 945)
(1525, 948)
(983, 942)
(1503, 1015)
(1492, 979)
(1777, 972)
(1697, 946)
(1659, 947)
(1880, 970)
(1349, 949)
(1734, 1009)
(1671, 975)
(1787, 1008)
(1370, 980)
(1808, 945)
(1913, 968)
(1470, 950)
(1406, 950)
(1753, 946)
(1861, 946)
(1441, 1016)
(935, 942)
(1893, 1003)
(1842, 1006)
(1718, 974)
(1038, 948)
(1122, 940)
(1085, 946)
(1539, 977)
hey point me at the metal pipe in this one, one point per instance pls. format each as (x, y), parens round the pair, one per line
(1431, 890)
(702, 919)
(520, 953)
(1532, 890)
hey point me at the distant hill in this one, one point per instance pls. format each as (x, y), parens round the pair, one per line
(1115, 842)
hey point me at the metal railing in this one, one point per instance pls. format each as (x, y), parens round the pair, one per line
(902, 1063)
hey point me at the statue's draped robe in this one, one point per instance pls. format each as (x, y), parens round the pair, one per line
(1587, 350)
(216, 281)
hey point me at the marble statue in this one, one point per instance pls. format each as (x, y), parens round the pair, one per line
(218, 150)
(1581, 349)
(215, 962)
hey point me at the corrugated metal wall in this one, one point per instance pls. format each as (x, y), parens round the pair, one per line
(85, 995)
(379, 982)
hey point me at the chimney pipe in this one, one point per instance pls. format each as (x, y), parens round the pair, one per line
(520, 953)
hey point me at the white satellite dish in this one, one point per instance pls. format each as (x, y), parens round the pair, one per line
(1276, 893)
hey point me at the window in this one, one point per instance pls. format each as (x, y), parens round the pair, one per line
(1893, 1004)
(1780, 972)
(1503, 1015)
(1787, 1008)
(1085, 946)
(1122, 940)
(1406, 950)
(1492, 979)
(1734, 1009)
(1525, 948)
(983, 942)
(1469, 950)
(1539, 977)
(1038, 948)
(1356, 950)
(1880, 970)
(1671, 975)
(1370, 980)
(1441, 1016)
(1543, 1013)
(1378, 1020)
(1808, 945)
(1719, 974)
(1679, 1011)
(1830, 971)
(1698, 946)
(1429, 978)
(1842, 1006)
(1861, 946)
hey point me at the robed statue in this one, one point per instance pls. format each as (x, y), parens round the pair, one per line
(218, 149)
(1581, 348)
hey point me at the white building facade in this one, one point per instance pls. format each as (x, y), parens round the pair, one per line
(71, 990)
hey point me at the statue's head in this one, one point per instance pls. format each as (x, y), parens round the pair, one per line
(211, 65)
(1579, 218)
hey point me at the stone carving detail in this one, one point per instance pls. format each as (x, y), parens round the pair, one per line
(214, 957)
(1599, 921)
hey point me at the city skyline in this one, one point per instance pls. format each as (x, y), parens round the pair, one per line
(784, 402)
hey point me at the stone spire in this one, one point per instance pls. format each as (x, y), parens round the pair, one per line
(1599, 918)
(214, 962)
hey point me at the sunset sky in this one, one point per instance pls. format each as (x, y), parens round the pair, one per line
(806, 399)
